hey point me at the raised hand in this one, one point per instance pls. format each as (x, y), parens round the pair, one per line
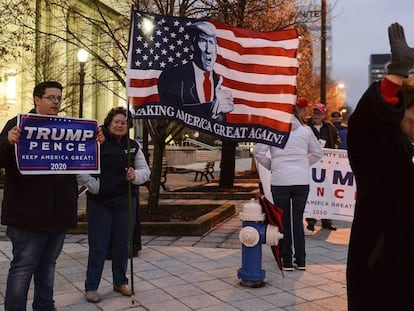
(402, 56)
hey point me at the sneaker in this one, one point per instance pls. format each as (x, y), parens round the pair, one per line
(287, 266)
(331, 227)
(123, 289)
(310, 227)
(92, 296)
(300, 265)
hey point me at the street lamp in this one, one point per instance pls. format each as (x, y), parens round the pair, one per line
(340, 89)
(82, 58)
(323, 53)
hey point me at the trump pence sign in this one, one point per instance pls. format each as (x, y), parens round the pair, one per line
(57, 145)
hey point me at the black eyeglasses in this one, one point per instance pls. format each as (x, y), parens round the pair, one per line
(53, 98)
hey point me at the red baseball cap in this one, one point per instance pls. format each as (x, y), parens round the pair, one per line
(302, 102)
(320, 107)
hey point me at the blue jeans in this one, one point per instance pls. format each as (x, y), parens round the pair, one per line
(292, 199)
(108, 225)
(34, 254)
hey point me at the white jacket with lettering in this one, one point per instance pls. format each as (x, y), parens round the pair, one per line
(291, 165)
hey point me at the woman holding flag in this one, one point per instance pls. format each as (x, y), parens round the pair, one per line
(107, 203)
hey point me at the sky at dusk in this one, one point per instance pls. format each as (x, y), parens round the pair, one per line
(359, 29)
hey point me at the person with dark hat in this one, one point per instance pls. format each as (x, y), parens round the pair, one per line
(336, 119)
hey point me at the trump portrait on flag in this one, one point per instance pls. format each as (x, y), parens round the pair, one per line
(194, 86)
(234, 83)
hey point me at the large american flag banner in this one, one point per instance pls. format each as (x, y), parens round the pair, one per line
(258, 68)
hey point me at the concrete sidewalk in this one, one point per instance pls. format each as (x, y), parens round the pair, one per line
(200, 273)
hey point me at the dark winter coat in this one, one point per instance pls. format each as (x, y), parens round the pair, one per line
(177, 87)
(327, 132)
(380, 270)
(35, 202)
(114, 161)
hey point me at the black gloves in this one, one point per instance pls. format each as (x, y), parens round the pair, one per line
(402, 56)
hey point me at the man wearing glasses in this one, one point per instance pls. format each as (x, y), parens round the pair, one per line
(38, 210)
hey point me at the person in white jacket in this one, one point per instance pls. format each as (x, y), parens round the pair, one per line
(290, 178)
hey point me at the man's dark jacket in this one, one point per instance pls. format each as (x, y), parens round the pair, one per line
(35, 202)
(380, 270)
(177, 87)
(327, 132)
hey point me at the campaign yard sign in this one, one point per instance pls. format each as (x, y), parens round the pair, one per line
(332, 190)
(57, 145)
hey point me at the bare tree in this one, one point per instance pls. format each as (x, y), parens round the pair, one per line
(13, 36)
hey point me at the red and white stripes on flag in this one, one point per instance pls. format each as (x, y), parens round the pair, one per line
(259, 68)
